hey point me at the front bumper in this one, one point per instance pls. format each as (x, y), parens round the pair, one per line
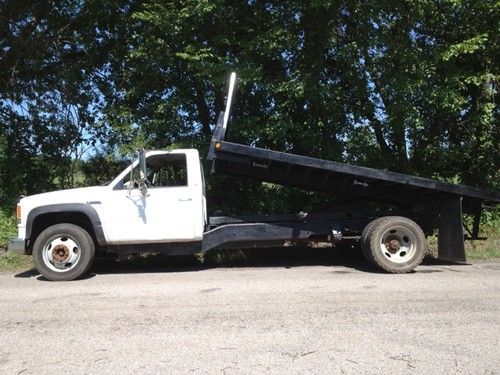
(17, 245)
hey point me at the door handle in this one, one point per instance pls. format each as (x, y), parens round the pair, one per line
(185, 199)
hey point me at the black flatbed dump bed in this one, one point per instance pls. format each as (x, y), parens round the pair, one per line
(444, 202)
(432, 204)
(329, 176)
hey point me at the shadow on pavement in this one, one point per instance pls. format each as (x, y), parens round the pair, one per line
(86, 276)
(431, 261)
(348, 257)
(287, 257)
(27, 274)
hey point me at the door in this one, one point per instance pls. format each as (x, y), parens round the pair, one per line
(163, 215)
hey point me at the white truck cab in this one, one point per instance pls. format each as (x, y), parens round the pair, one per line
(172, 210)
(166, 205)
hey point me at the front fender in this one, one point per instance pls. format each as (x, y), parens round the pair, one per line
(67, 208)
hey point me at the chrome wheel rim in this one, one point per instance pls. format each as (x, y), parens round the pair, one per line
(61, 254)
(398, 244)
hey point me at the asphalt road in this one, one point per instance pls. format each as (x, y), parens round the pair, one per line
(311, 319)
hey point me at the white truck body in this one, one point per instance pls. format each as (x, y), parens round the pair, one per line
(167, 214)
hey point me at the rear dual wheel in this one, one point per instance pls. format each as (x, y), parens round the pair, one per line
(63, 252)
(394, 244)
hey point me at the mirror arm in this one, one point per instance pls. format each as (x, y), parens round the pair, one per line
(143, 173)
(130, 180)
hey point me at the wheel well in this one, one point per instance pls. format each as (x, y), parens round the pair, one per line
(43, 221)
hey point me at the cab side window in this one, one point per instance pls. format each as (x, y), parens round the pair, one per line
(167, 170)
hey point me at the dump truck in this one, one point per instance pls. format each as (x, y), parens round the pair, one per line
(158, 204)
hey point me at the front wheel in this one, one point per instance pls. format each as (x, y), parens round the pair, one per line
(395, 244)
(63, 252)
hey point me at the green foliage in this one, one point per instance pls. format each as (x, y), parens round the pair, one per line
(484, 249)
(468, 46)
(490, 222)
(490, 228)
(8, 228)
(223, 257)
(10, 261)
(100, 169)
(488, 249)
(52, 55)
(408, 87)
(14, 262)
(405, 86)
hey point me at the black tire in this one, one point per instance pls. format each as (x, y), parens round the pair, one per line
(364, 241)
(64, 232)
(394, 244)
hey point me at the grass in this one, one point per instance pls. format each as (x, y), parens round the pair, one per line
(489, 248)
(11, 261)
(15, 262)
(8, 229)
(478, 249)
(486, 249)
(490, 228)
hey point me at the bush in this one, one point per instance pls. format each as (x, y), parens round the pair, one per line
(490, 228)
(482, 249)
(8, 228)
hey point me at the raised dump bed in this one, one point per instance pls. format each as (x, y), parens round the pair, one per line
(445, 202)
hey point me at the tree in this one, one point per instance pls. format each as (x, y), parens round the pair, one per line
(407, 86)
(51, 55)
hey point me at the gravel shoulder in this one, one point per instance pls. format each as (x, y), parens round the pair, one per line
(276, 319)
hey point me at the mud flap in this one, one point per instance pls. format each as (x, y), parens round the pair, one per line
(451, 232)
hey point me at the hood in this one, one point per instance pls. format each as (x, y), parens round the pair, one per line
(80, 195)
